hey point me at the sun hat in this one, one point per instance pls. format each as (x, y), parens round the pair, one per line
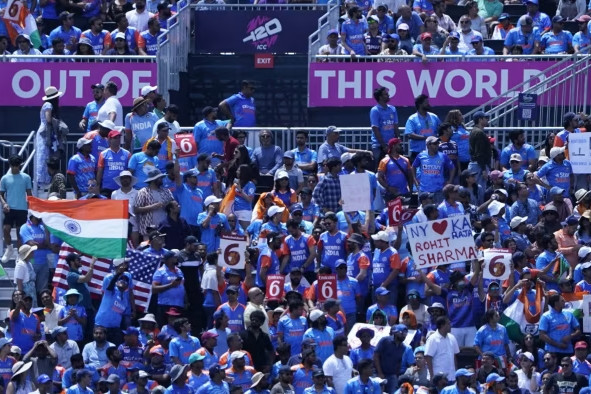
(51, 92)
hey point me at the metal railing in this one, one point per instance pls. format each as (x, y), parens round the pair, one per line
(173, 52)
(328, 21)
(563, 87)
(77, 59)
(314, 56)
(270, 7)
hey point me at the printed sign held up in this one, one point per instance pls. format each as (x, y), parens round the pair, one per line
(355, 192)
(579, 152)
(497, 264)
(441, 241)
(233, 248)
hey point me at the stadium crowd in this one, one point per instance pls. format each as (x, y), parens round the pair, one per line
(212, 330)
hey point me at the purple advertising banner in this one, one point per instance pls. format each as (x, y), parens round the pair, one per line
(252, 31)
(446, 83)
(23, 84)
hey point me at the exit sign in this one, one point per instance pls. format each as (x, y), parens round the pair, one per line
(263, 60)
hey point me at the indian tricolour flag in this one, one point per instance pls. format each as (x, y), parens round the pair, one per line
(521, 318)
(18, 20)
(94, 227)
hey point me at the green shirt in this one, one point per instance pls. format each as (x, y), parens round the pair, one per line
(488, 9)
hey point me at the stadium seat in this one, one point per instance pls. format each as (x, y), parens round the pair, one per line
(495, 45)
(515, 9)
(455, 12)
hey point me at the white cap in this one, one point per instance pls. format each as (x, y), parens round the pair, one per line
(316, 314)
(517, 220)
(118, 262)
(495, 207)
(556, 151)
(120, 35)
(81, 142)
(281, 174)
(584, 251)
(345, 157)
(529, 356)
(586, 265)
(148, 89)
(210, 200)
(381, 236)
(108, 124)
(236, 354)
(274, 210)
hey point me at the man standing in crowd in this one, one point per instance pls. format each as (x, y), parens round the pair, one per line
(240, 108)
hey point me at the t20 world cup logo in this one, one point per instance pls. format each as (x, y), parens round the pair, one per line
(263, 32)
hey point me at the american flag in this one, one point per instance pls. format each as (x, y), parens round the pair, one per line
(141, 266)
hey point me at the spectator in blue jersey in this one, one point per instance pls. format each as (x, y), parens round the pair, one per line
(240, 108)
(364, 382)
(352, 33)
(207, 180)
(67, 31)
(73, 315)
(420, 125)
(366, 349)
(182, 346)
(385, 21)
(411, 19)
(89, 116)
(178, 380)
(190, 198)
(58, 47)
(436, 169)
(305, 158)
(450, 206)
(540, 19)
(25, 326)
(268, 157)
(479, 49)
(462, 384)
(373, 37)
(557, 172)
(321, 333)
(131, 34)
(348, 292)
(492, 337)
(459, 300)
(518, 145)
(558, 327)
(451, 46)
(204, 133)
(424, 47)
(394, 173)
(168, 147)
(148, 40)
(557, 40)
(382, 297)
(384, 123)
(168, 284)
(292, 326)
(143, 163)
(582, 38)
(212, 223)
(111, 162)
(120, 46)
(525, 35)
(392, 356)
(139, 124)
(100, 39)
(81, 168)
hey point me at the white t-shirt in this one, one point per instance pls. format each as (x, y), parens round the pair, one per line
(442, 350)
(340, 369)
(21, 271)
(111, 104)
(175, 127)
(524, 383)
(139, 21)
(130, 197)
(210, 278)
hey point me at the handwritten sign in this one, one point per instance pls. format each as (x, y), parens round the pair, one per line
(355, 192)
(327, 287)
(275, 288)
(379, 333)
(497, 264)
(439, 242)
(233, 248)
(579, 152)
(186, 143)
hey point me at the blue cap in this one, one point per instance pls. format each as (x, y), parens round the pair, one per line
(479, 114)
(131, 331)
(532, 2)
(571, 221)
(332, 31)
(398, 328)
(58, 330)
(420, 349)
(289, 154)
(502, 17)
(557, 19)
(231, 271)
(493, 377)
(296, 207)
(168, 255)
(392, 36)
(476, 38)
(218, 315)
(332, 129)
(463, 372)
(454, 34)
(43, 379)
(339, 262)
(556, 190)
(191, 172)
(381, 291)
(4, 342)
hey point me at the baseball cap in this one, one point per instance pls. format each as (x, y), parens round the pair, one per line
(392, 36)
(403, 26)
(528, 355)
(454, 35)
(516, 157)
(332, 129)
(556, 151)
(557, 19)
(479, 114)
(274, 210)
(373, 19)
(82, 141)
(332, 31)
(316, 314)
(340, 262)
(555, 190)
(382, 291)
(494, 377)
(584, 251)
(97, 86)
(503, 16)
(120, 35)
(296, 207)
(571, 221)
(208, 335)
(426, 35)
(42, 379)
(476, 38)
(431, 139)
(381, 236)
(463, 372)
(581, 345)
(398, 328)
(495, 207)
(517, 220)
